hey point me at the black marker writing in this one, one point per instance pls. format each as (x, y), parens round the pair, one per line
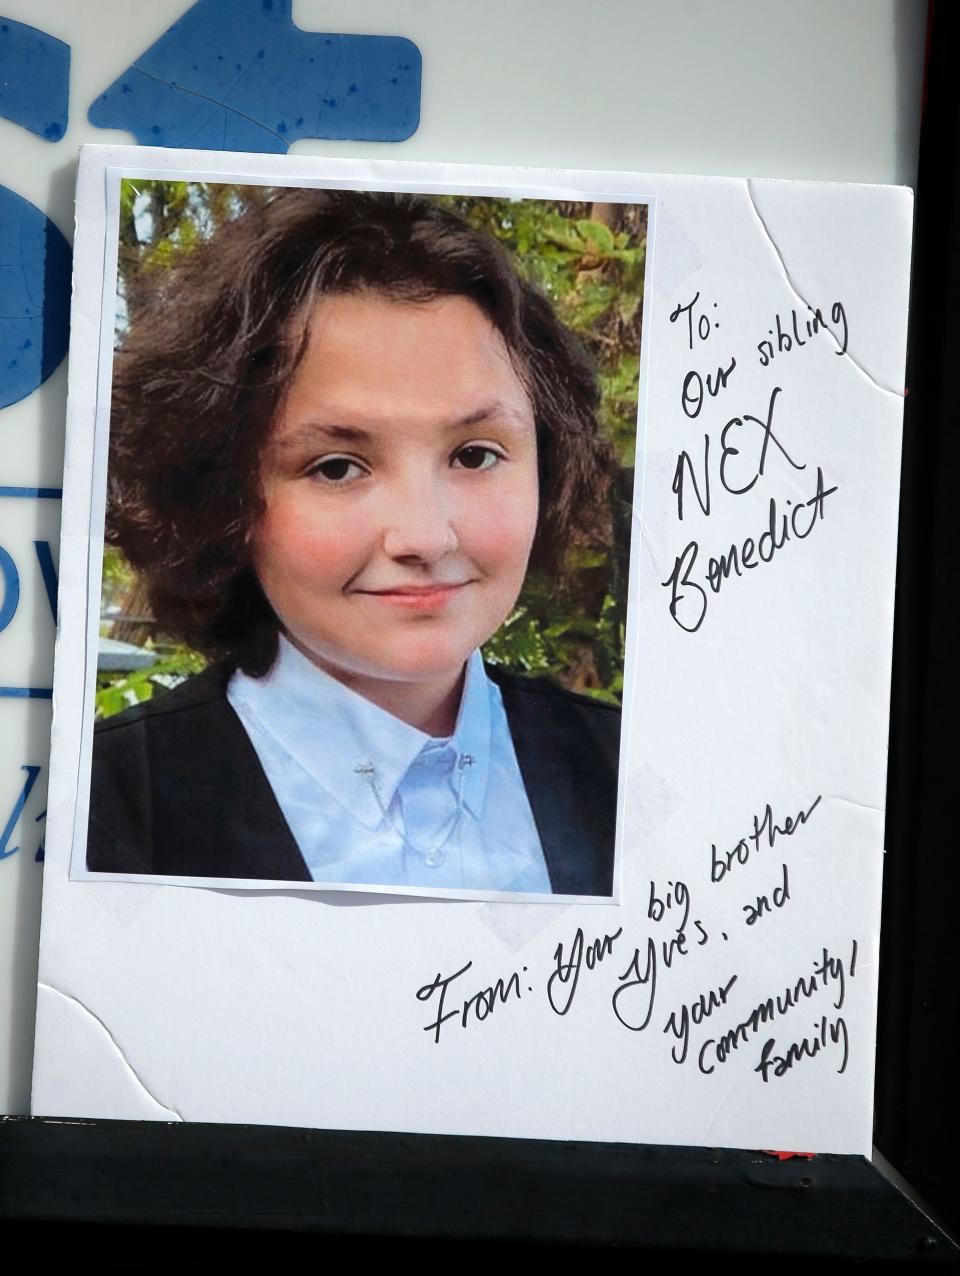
(688, 598)
(562, 984)
(474, 1008)
(697, 325)
(743, 473)
(765, 828)
(634, 999)
(678, 1022)
(753, 471)
(832, 1033)
(779, 897)
(691, 396)
(676, 896)
(828, 971)
(788, 336)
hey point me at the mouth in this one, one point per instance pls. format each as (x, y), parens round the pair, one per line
(416, 597)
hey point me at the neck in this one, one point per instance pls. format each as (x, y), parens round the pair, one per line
(432, 706)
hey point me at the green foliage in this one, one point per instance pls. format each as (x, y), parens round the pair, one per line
(589, 260)
(117, 574)
(119, 691)
(592, 270)
(619, 388)
(575, 644)
(593, 273)
(160, 221)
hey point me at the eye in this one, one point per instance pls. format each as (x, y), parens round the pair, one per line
(477, 456)
(338, 470)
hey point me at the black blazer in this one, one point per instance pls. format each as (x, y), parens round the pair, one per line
(178, 789)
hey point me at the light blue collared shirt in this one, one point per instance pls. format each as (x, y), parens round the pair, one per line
(372, 800)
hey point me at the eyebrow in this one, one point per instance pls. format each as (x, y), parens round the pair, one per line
(308, 432)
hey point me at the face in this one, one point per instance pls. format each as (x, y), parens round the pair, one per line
(400, 483)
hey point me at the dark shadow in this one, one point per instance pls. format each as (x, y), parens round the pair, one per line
(917, 1117)
(909, 38)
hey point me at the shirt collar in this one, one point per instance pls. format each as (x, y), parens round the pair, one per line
(471, 736)
(344, 741)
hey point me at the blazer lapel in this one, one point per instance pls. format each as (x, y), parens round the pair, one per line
(570, 783)
(226, 814)
(254, 824)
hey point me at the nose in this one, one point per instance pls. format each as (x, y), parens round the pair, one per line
(420, 526)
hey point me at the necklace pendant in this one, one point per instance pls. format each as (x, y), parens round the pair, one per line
(434, 858)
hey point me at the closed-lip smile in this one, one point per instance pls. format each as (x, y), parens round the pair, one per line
(416, 596)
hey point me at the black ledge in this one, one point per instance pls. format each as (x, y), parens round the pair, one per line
(128, 1181)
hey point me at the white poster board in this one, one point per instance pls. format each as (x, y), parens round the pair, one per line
(728, 997)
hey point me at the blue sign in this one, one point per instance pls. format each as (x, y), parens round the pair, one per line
(237, 75)
(34, 297)
(34, 79)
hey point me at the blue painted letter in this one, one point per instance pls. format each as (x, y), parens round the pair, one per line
(21, 802)
(11, 589)
(34, 297)
(48, 571)
(237, 75)
(34, 79)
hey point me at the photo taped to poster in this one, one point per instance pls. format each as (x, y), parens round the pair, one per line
(370, 461)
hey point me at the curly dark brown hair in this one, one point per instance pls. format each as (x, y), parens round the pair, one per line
(201, 374)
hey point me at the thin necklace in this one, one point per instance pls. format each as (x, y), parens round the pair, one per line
(433, 856)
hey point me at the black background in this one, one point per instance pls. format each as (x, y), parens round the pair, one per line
(125, 1196)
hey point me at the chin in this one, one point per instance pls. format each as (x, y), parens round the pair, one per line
(423, 658)
(418, 667)
(420, 671)
(403, 665)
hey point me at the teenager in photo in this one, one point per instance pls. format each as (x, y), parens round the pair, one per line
(340, 434)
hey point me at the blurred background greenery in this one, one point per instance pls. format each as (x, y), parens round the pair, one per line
(589, 259)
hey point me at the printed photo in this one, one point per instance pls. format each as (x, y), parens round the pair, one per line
(369, 501)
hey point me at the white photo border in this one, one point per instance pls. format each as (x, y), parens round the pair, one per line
(85, 479)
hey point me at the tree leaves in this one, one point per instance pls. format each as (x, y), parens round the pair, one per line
(116, 692)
